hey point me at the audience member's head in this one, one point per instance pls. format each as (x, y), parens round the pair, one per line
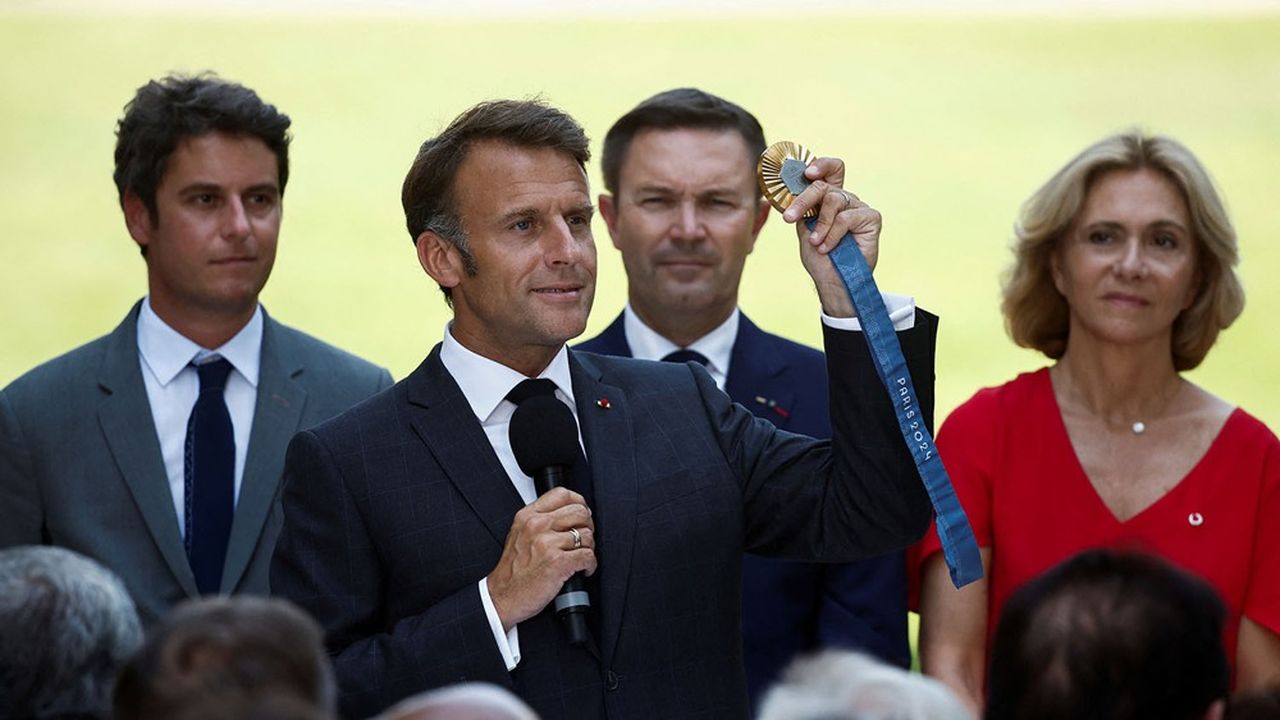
(843, 685)
(467, 701)
(250, 648)
(66, 625)
(1112, 636)
(1255, 705)
(248, 705)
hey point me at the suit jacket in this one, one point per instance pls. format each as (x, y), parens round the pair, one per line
(80, 463)
(396, 509)
(790, 608)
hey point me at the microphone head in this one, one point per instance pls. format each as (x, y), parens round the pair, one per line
(543, 433)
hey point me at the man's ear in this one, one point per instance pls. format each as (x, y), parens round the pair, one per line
(763, 210)
(609, 211)
(137, 218)
(440, 259)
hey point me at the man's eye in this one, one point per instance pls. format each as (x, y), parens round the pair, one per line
(261, 199)
(203, 198)
(522, 225)
(655, 202)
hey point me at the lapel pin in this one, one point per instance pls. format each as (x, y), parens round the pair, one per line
(603, 403)
(773, 405)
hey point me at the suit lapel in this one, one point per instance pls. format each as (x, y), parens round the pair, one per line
(605, 421)
(613, 341)
(277, 414)
(444, 421)
(129, 429)
(753, 367)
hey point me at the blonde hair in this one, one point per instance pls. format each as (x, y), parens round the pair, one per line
(1036, 314)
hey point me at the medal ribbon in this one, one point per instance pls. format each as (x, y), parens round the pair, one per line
(959, 547)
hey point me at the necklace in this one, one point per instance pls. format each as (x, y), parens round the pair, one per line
(1137, 427)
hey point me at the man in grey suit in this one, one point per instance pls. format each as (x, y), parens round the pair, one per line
(157, 449)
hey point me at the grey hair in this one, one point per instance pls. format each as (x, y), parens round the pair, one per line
(844, 685)
(472, 700)
(66, 625)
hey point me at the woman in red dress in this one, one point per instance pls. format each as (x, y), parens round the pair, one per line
(1124, 276)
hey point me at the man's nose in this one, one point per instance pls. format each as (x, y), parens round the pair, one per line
(561, 246)
(687, 225)
(235, 219)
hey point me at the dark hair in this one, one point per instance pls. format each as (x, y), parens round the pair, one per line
(427, 194)
(682, 108)
(165, 112)
(1109, 635)
(248, 645)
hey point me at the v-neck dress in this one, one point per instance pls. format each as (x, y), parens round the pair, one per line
(1029, 500)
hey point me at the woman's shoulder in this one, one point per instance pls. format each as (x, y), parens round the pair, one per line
(1233, 423)
(1020, 395)
(1246, 430)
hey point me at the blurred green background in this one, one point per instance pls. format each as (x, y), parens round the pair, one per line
(948, 122)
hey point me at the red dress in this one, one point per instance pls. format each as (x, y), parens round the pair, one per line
(1030, 502)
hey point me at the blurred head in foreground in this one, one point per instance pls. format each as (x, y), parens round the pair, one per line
(66, 625)
(844, 685)
(467, 701)
(247, 647)
(1112, 636)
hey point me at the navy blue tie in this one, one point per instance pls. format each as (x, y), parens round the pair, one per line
(210, 477)
(685, 355)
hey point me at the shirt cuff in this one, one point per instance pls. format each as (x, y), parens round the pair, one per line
(508, 642)
(902, 312)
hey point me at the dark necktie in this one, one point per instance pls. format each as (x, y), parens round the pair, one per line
(533, 387)
(684, 355)
(210, 477)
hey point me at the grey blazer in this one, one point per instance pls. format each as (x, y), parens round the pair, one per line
(80, 463)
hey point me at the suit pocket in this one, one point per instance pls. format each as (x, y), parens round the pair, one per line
(672, 487)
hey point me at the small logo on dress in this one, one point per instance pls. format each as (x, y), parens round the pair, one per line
(1196, 519)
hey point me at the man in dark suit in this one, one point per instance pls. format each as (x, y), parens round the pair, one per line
(413, 536)
(158, 449)
(684, 208)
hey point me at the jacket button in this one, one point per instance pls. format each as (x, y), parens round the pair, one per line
(610, 680)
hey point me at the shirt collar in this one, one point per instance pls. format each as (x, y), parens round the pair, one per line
(647, 344)
(167, 352)
(485, 383)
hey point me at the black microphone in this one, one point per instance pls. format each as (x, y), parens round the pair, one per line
(544, 439)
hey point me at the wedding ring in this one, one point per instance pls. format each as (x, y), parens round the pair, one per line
(577, 538)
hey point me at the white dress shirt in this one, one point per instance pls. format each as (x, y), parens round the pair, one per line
(717, 345)
(485, 384)
(173, 386)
